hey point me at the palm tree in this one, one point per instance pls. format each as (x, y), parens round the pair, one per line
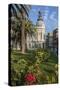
(21, 12)
(15, 32)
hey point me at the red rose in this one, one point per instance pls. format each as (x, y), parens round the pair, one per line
(30, 78)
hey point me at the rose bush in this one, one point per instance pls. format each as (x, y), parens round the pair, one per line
(30, 79)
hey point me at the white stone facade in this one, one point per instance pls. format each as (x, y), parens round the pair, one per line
(38, 39)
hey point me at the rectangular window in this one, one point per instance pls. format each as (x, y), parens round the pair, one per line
(41, 35)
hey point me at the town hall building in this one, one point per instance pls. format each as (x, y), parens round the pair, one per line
(38, 39)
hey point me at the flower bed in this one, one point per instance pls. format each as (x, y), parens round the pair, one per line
(35, 67)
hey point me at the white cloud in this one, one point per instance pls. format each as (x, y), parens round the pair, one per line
(46, 14)
(52, 16)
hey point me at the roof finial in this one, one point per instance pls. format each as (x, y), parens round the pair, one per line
(39, 16)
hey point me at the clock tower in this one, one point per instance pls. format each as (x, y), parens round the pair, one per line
(37, 40)
(40, 31)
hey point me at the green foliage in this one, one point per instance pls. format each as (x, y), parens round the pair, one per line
(41, 63)
(42, 55)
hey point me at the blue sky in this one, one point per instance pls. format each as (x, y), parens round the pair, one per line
(49, 14)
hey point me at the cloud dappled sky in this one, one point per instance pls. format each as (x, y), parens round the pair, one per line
(49, 14)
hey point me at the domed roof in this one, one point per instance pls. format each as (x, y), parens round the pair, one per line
(40, 22)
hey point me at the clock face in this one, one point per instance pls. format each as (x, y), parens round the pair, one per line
(40, 24)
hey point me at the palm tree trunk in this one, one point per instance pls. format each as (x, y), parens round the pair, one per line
(23, 35)
(23, 38)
